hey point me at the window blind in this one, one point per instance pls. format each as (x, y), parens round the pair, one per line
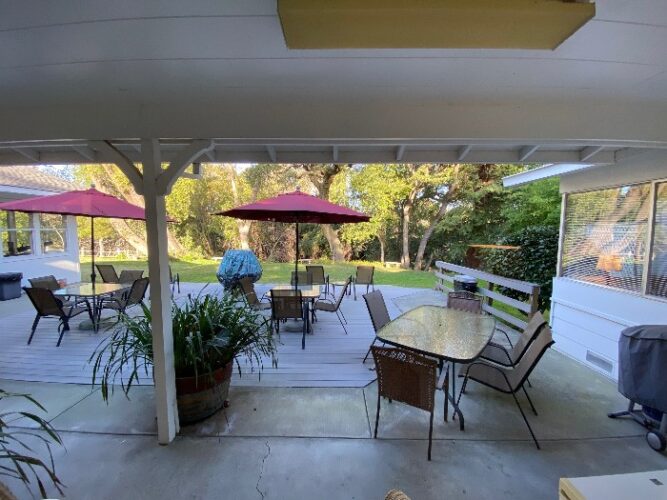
(604, 238)
(657, 276)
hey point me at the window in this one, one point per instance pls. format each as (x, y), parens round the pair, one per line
(605, 235)
(657, 276)
(53, 233)
(16, 229)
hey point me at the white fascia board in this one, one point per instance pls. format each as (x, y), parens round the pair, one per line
(25, 192)
(544, 172)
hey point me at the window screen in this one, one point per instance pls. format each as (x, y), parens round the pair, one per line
(16, 234)
(657, 276)
(605, 234)
(53, 233)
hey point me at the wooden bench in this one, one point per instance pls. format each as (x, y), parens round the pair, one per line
(392, 264)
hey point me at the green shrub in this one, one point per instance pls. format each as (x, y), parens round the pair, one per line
(534, 262)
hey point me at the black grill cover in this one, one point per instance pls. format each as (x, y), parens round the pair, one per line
(642, 371)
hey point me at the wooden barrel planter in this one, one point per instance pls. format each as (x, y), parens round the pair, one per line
(200, 397)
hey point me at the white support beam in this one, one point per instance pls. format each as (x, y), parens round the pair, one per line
(110, 153)
(86, 152)
(589, 152)
(334, 153)
(271, 151)
(543, 172)
(196, 173)
(400, 152)
(211, 155)
(526, 152)
(183, 159)
(158, 272)
(463, 152)
(29, 153)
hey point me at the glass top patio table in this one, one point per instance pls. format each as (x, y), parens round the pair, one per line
(448, 334)
(90, 290)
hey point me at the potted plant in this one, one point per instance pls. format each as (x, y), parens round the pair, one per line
(210, 334)
(16, 448)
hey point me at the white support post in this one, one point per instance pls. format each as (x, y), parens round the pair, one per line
(160, 293)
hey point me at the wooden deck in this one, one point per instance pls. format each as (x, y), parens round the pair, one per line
(331, 358)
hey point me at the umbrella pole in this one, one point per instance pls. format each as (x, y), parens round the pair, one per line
(92, 249)
(296, 259)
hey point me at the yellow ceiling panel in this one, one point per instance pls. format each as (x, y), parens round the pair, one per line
(422, 24)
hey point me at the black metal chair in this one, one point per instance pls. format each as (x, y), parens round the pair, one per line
(288, 304)
(510, 380)
(130, 275)
(406, 377)
(318, 277)
(107, 273)
(122, 303)
(48, 305)
(377, 309)
(328, 305)
(305, 278)
(49, 282)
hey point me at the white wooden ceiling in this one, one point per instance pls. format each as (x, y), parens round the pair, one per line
(220, 69)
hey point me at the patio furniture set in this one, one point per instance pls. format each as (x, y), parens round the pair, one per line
(307, 294)
(431, 339)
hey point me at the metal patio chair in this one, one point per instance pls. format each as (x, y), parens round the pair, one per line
(288, 304)
(305, 278)
(377, 309)
(247, 288)
(318, 277)
(130, 275)
(49, 282)
(48, 305)
(364, 276)
(406, 377)
(107, 273)
(122, 303)
(464, 301)
(501, 355)
(174, 281)
(328, 305)
(510, 380)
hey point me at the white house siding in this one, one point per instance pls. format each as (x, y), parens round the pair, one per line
(587, 318)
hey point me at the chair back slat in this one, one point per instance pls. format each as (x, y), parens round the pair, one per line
(317, 275)
(130, 275)
(464, 301)
(45, 303)
(377, 309)
(406, 376)
(137, 292)
(49, 282)
(108, 273)
(286, 304)
(532, 330)
(364, 275)
(305, 278)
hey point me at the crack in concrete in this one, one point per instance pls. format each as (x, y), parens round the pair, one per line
(261, 470)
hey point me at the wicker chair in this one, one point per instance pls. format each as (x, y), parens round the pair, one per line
(318, 277)
(364, 276)
(510, 380)
(305, 278)
(288, 304)
(334, 307)
(132, 298)
(464, 301)
(130, 275)
(406, 377)
(107, 273)
(377, 309)
(247, 288)
(48, 305)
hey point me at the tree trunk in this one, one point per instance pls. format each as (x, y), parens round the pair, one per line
(407, 212)
(337, 252)
(244, 230)
(381, 240)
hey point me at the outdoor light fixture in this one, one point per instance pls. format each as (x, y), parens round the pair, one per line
(425, 24)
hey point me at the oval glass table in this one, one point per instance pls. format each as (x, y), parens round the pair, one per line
(446, 334)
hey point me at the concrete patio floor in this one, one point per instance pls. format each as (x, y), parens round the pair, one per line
(293, 443)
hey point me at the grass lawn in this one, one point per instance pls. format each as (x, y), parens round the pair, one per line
(203, 271)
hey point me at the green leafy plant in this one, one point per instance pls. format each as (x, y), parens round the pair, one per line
(209, 331)
(17, 459)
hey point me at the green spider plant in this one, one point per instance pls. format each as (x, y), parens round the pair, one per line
(17, 456)
(209, 331)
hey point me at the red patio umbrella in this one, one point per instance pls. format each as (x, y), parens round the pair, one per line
(88, 203)
(296, 207)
